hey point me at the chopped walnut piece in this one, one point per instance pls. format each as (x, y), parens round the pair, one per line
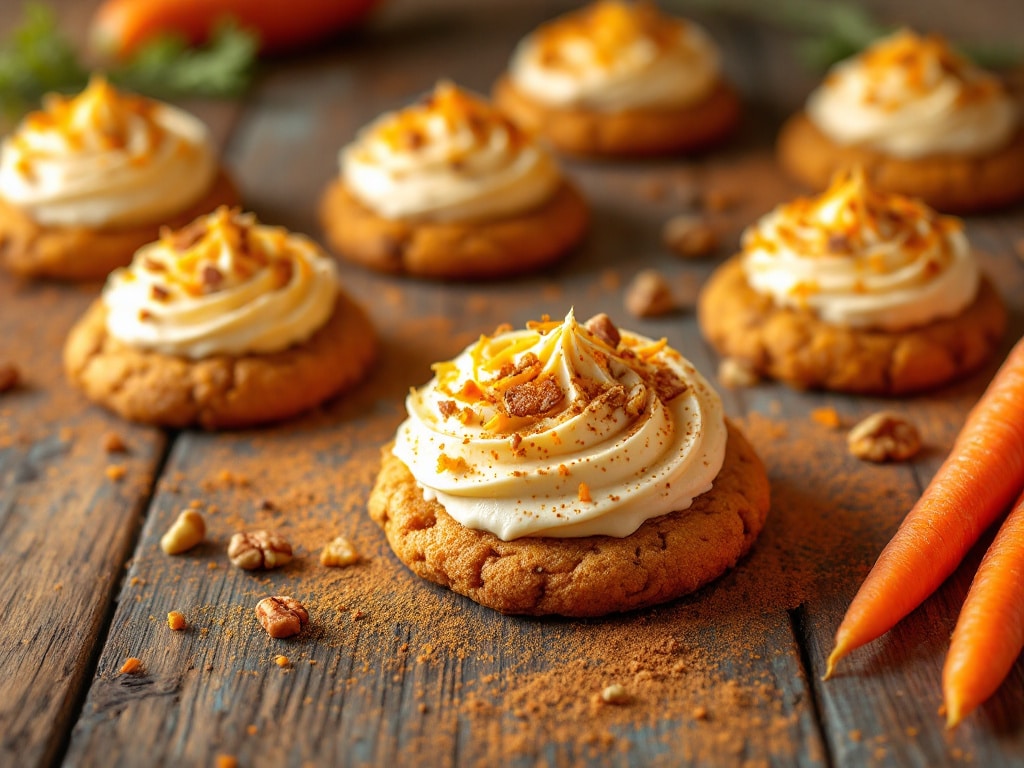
(253, 550)
(601, 326)
(532, 398)
(649, 295)
(615, 694)
(9, 376)
(884, 436)
(159, 293)
(339, 553)
(283, 270)
(281, 616)
(448, 408)
(186, 532)
(668, 385)
(689, 236)
(176, 621)
(114, 443)
(131, 666)
(211, 277)
(736, 374)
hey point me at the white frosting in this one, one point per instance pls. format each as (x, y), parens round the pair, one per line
(222, 285)
(452, 157)
(636, 433)
(910, 97)
(613, 56)
(105, 159)
(861, 258)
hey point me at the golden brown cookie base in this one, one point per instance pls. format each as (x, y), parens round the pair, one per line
(665, 558)
(222, 391)
(629, 133)
(793, 345)
(953, 183)
(454, 250)
(83, 253)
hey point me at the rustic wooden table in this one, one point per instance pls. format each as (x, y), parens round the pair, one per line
(395, 671)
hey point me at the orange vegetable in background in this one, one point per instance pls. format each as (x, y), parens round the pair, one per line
(120, 26)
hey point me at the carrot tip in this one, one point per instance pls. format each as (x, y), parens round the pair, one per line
(954, 714)
(833, 659)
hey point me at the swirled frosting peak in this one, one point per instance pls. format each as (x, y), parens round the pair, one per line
(861, 257)
(563, 430)
(450, 157)
(224, 284)
(614, 55)
(912, 96)
(105, 159)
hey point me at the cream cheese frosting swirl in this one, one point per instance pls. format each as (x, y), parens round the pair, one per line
(222, 285)
(106, 159)
(613, 56)
(862, 258)
(451, 157)
(563, 430)
(912, 96)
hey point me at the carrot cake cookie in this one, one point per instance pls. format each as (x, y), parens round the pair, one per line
(920, 119)
(570, 469)
(225, 323)
(91, 178)
(450, 188)
(620, 79)
(856, 290)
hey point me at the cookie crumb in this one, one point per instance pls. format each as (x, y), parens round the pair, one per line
(615, 694)
(339, 553)
(649, 295)
(131, 666)
(827, 417)
(689, 236)
(251, 729)
(584, 493)
(227, 761)
(115, 472)
(114, 443)
(699, 713)
(737, 374)
(282, 661)
(884, 436)
(10, 376)
(176, 621)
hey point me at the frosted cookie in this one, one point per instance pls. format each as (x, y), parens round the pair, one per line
(569, 469)
(920, 119)
(450, 188)
(856, 290)
(225, 323)
(620, 79)
(91, 178)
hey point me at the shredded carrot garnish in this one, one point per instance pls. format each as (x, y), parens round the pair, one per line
(584, 493)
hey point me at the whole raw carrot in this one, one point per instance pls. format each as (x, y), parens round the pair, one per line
(978, 480)
(120, 26)
(989, 634)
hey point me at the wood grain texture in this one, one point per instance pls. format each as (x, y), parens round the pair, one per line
(393, 670)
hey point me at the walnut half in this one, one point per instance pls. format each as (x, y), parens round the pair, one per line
(253, 550)
(281, 616)
(884, 436)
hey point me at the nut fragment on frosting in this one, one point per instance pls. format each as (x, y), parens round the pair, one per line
(105, 159)
(613, 55)
(225, 284)
(911, 96)
(862, 258)
(563, 430)
(450, 157)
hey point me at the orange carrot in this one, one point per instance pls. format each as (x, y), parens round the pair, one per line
(989, 634)
(120, 26)
(981, 476)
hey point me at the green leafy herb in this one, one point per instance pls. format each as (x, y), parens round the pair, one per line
(832, 31)
(37, 58)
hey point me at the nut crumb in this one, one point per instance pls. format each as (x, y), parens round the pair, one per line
(115, 472)
(736, 374)
(281, 616)
(186, 532)
(339, 553)
(10, 376)
(649, 295)
(131, 666)
(282, 661)
(827, 417)
(884, 436)
(114, 443)
(253, 550)
(176, 621)
(689, 236)
(615, 694)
